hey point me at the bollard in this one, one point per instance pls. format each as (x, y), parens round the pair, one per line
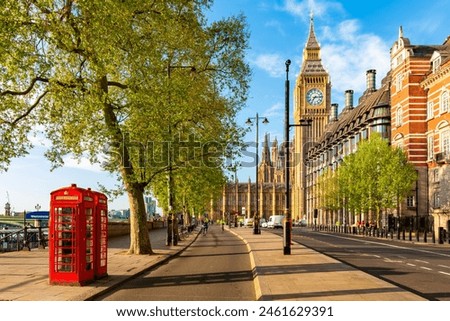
(425, 236)
(441, 235)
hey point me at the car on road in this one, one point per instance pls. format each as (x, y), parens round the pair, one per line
(248, 222)
(300, 223)
(263, 222)
(275, 221)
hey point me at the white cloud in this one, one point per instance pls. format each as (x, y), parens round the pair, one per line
(297, 8)
(83, 164)
(303, 9)
(348, 54)
(275, 110)
(271, 64)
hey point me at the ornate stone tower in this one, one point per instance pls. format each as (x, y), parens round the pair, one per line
(265, 166)
(312, 100)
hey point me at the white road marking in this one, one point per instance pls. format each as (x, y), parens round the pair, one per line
(389, 245)
(426, 268)
(421, 261)
(444, 266)
(386, 259)
(444, 273)
(410, 264)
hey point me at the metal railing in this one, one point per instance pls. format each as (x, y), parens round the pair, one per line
(23, 238)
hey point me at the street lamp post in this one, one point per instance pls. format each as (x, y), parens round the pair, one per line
(236, 191)
(287, 211)
(287, 229)
(249, 122)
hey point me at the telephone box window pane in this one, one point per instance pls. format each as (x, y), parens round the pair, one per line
(65, 245)
(89, 240)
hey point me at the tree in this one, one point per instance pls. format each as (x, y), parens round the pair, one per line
(376, 177)
(194, 188)
(101, 78)
(329, 191)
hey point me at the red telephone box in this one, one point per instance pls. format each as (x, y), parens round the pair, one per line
(101, 235)
(71, 237)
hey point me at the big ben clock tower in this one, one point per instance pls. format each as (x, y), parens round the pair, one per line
(312, 101)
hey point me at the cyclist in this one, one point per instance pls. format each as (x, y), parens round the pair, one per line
(205, 227)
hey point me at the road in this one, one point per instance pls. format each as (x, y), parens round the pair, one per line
(423, 269)
(216, 267)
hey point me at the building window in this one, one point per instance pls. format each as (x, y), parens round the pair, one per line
(381, 128)
(398, 117)
(436, 64)
(355, 141)
(399, 59)
(445, 142)
(364, 134)
(410, 201)
(398, 81)
(347, 149)
(444, 102)
(430, 147)
(430, 110)
(436, 175)
(436, 200)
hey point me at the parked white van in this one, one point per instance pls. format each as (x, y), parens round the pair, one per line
(275, 221)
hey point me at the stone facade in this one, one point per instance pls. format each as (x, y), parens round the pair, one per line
(240, 198)
(312, 101)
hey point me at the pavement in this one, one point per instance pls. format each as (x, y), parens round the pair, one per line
(304, 275)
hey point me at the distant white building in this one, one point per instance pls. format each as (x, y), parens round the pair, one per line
(150, 207)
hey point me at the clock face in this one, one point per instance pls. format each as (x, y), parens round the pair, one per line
(314, 97)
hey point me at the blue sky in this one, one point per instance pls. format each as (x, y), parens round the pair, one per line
(354, 36)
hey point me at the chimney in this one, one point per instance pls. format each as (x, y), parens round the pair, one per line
(349, 99)
(370, 80)
(334, 112)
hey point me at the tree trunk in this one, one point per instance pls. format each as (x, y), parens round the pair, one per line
(139, 236)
